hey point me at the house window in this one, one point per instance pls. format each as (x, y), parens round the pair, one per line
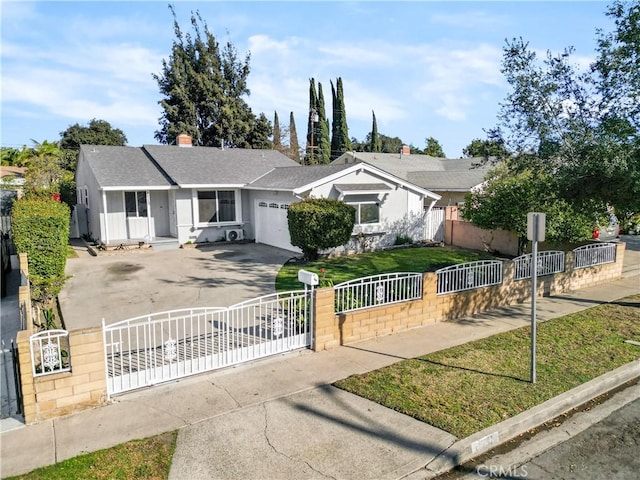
(367, 213)
(216, 206)
(135, 204)
(83, 196)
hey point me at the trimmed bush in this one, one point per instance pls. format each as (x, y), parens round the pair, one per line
(319, 223)
(40, 228)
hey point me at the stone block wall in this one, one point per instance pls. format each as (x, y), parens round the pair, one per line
(58, 394)
(331, 330)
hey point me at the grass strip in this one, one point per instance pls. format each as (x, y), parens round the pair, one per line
(149, 458)
(470, 387)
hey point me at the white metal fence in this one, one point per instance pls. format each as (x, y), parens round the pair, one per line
(164, 346)
(470, 275)
(548, 262)
(50, 352)
(594, 254)
(434, 225)
(377, 290)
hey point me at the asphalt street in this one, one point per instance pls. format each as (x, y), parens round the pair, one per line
(605, 450)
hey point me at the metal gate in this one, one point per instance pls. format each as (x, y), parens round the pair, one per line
(11, 386)
(164, 346)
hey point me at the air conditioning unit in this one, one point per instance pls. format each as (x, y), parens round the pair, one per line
(234, 234)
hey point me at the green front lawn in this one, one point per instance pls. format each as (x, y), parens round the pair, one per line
(342, 269)
(467, 388)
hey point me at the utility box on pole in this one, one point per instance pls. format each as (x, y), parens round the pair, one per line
(536, 226)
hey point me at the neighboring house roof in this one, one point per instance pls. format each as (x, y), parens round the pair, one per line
(432, 173)
(293, 178)
(12, 175)
(206, 166)
(121, 167)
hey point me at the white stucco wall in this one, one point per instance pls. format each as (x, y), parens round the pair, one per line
(85, 178)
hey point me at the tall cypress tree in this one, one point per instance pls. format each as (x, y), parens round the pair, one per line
(277, 136)
(376, 142)
(313, 120)
(340, 141)
(294, 146)
(324, 144)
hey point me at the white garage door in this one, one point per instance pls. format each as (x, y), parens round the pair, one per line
(272, 226)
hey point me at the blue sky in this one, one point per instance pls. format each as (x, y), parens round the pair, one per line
(425, 68)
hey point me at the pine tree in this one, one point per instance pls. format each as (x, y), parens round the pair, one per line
(340, 141)
(376, 142)
(203, 88)
(433, 148)
(294, 146)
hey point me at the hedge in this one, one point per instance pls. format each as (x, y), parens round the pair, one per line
(320, 223)
(40, 228)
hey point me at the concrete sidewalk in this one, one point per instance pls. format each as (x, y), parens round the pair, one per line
(280, 418)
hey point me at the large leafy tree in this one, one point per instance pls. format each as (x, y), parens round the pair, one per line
(340, 142)
(486, 149)
(204, 88)
(97, 132)
(506, 197)
(578, 128)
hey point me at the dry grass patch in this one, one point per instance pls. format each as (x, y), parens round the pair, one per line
(149, 458)
(470, 387)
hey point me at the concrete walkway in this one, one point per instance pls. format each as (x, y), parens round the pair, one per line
(280, 418)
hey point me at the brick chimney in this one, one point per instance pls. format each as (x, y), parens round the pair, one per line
(405, 150)
(184, 140)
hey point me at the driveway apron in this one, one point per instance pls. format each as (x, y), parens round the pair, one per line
(120, 285)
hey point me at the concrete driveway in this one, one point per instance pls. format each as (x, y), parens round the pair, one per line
(120, 285)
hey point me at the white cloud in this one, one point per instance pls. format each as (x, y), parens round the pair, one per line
(469, 19)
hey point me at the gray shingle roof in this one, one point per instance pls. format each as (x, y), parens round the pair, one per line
(423, 170)
(123, 166)
(214, 166)
(451, 180)
(290, 178)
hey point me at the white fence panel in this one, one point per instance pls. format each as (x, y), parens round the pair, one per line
(50, 352)
(377, 290)
(470, 275)
(548, 262)
(434, 225)
(594, 254)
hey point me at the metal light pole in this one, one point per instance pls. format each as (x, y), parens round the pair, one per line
(313, 118)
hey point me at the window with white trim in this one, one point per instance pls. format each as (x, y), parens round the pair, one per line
(135, 204)
(366, 212)
(217, 206)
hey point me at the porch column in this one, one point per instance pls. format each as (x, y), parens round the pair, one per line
(148, 194)
(106, 223)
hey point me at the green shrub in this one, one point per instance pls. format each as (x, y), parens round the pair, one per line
(40, 228)
(403, 240)
(319, 223)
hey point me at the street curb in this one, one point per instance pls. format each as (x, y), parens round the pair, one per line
(480, 442)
